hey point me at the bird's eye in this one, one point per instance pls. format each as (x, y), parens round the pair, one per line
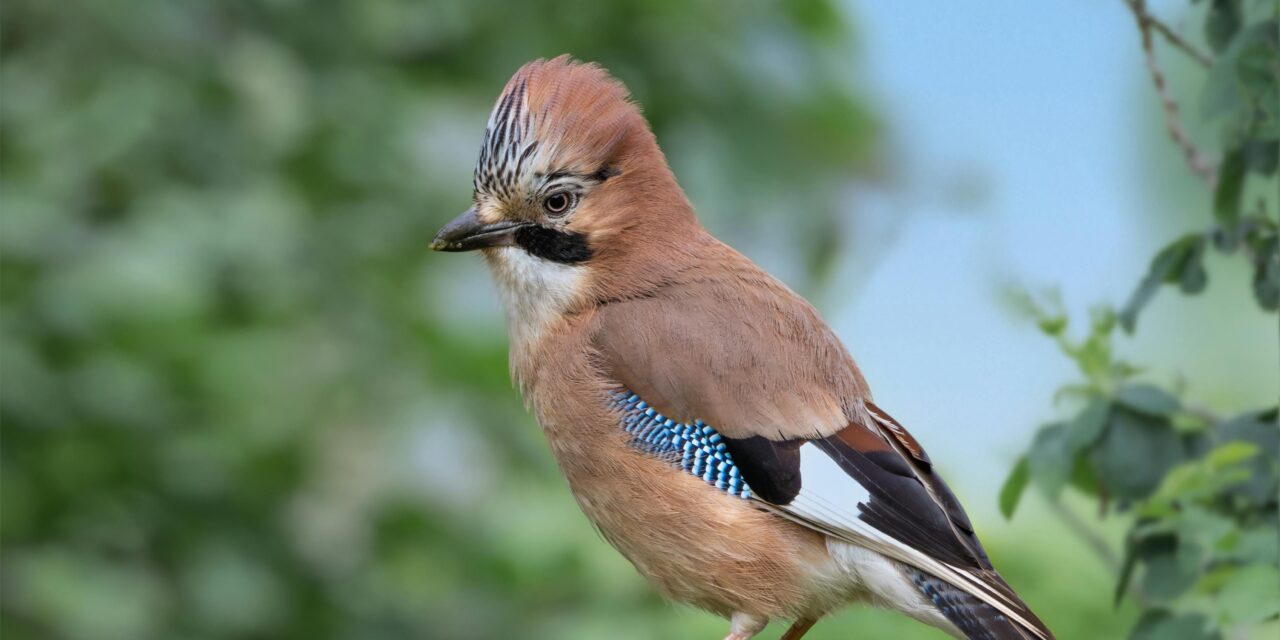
(558, 203)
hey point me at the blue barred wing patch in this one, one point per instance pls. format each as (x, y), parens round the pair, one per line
(696, 448)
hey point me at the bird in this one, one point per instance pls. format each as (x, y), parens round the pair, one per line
(709, 423)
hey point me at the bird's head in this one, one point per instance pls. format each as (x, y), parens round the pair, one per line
(572, 196)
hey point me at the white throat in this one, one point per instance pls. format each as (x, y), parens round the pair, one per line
(534, 291)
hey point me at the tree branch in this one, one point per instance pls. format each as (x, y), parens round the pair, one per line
(1178, 41)
(1090, 537)
(1194, 158)
(1100, 548)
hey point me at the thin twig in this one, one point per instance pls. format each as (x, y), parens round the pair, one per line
(1179, 42)
(1100, 548)
(1089, 536)
(1195, 159)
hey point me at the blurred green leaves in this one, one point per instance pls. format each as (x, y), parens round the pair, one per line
(1241, 97)
(1222, 23)
(1202, 490)
(1162, 625)
(1014, 485)
(237, 398)
(1240, 93)
(1180, 263)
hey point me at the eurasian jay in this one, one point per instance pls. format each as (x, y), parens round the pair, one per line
(709, 423)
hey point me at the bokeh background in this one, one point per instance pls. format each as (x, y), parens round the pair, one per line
(240, 399)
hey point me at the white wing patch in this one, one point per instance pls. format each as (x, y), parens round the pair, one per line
(827, 494)
(828, 502)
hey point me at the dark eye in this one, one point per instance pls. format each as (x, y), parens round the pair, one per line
(558, 203)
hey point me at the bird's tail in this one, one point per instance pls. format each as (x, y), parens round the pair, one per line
(976, 619)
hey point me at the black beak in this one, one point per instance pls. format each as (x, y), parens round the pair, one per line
(467, 233)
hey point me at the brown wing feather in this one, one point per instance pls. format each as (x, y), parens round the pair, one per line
(728, 344)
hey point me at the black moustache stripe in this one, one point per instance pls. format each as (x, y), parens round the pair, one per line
(565, 247)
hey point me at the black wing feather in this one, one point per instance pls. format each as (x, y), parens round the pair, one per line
(973, 617)
(901, 506)
(908, 501)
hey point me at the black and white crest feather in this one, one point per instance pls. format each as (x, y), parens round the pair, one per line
(509, 144)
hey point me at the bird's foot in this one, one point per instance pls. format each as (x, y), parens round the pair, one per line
(744, 626)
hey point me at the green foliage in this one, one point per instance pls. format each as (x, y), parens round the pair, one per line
(1162, 625)
(1222, 23)
(1200, 491)
(1014, 485)
(1241, 98)
(239, 399)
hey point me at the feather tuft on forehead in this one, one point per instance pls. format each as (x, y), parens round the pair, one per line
(556, 115)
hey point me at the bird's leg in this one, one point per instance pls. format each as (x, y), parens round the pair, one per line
(742, 626)
(798, 629)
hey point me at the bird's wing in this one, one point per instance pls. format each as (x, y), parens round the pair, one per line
(745, 354)
(874, 485)
(766, 373)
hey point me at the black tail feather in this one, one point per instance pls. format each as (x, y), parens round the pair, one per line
(976, 619)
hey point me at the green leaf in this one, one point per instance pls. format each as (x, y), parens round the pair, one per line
(1220, 97)
(1134, 453)
(1165, 625)
(1014, 486)
(1122, 370)
(1190, 556)
(1222, 23)
(1186, 478)
(819, 19)
(1226, 198)
(1186, 422)
(1146, 540)
(1050, 460)
(1240, 88)
(1215, 577)
(1167, 575)
(1088, 425)
(1258, 75)
(1094, 359)
(1231, 453)
(1065, 392)
(1148, 399)
(1166, 266)
(1262, 156)
(1083, 477)
(1251, 594)
(1127, 566)
(1266, 273)
(1193, 277)
(1203, 527)
(1052, 325)
(1102, 319)
(1256, 544)
(1258, 428)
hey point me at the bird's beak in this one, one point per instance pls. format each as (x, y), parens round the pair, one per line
(468, 233)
